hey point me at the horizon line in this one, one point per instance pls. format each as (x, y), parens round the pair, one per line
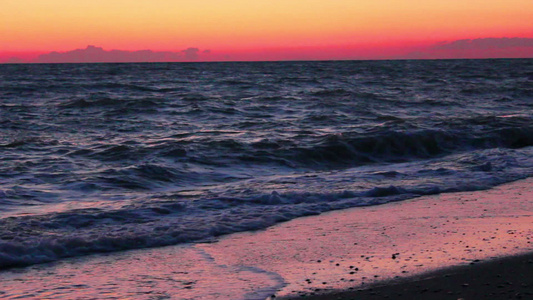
(260, 61)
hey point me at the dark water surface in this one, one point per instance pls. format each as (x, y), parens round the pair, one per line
(107, 157)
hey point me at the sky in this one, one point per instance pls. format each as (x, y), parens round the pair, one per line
(255, 29)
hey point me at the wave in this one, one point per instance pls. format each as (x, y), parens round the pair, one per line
(355, 149)
(325, 151)
(144, 176)
(174, 217)
(334, 93)
(401, 146)
(29, 142)
(103, 102)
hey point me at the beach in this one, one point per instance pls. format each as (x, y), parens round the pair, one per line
(432, 246)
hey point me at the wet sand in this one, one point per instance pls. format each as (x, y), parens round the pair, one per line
(448, 238)
(505, 278)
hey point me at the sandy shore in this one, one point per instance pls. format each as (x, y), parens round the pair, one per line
(330, 255)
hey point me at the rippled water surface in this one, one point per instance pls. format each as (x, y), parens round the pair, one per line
(107, 157)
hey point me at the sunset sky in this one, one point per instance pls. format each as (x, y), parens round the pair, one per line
(239, 28)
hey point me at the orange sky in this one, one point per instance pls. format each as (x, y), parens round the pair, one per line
(250, 25)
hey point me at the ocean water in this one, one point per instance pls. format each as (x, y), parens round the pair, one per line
(108, 157)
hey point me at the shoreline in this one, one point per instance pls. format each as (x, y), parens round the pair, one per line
(327, 254)
(364, 246)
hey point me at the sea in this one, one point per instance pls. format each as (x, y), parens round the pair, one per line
(99, 158)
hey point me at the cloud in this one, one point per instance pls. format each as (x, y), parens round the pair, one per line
(93, 54)
(484, 44)
(477, 48)
(14, 60)
(191, 53)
